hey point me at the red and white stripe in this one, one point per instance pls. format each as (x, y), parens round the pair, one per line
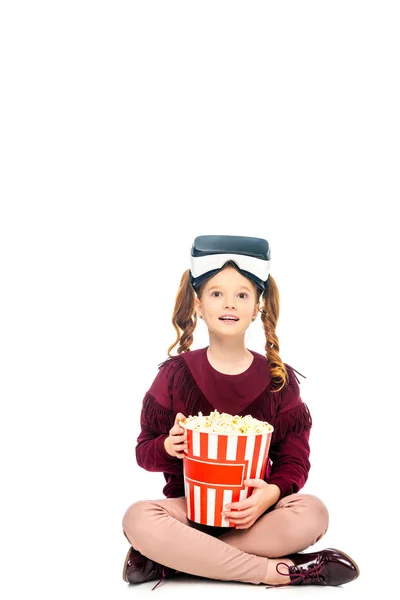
(215, 467)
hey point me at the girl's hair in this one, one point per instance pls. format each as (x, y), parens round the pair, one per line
(184, 320)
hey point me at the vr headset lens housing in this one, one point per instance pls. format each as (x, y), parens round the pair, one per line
(250, 256)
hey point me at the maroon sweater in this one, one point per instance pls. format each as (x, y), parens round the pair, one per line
(187, 383)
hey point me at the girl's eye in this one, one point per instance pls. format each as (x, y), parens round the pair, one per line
(241, 294)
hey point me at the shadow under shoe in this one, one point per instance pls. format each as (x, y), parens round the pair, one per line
(139, 569)
(327, 567)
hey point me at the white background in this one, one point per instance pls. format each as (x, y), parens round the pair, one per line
(127, 129)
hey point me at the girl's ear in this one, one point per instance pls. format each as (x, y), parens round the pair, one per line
(256, 310)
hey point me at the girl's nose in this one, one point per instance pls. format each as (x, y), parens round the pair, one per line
(230, 304)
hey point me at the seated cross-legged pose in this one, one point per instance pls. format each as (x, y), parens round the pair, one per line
(228, 285)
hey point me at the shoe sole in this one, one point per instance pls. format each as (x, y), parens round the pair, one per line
(125, 566)
(349, 558)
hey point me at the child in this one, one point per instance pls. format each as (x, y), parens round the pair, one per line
(227, 286)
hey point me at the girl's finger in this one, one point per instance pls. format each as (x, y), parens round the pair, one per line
(179, 448)
(177, 431)
(239, 505)
(177, 436)
(242, 511)
(179, 417)
(238, 524)
(178, 443)
(237, 517)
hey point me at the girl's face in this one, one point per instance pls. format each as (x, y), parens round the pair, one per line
(228, 294)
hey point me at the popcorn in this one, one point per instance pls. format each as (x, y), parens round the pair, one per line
(225, 423)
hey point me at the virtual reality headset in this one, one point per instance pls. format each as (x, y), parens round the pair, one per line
(249, 255)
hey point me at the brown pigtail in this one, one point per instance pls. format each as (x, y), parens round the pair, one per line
(184, 318)
(269, 317)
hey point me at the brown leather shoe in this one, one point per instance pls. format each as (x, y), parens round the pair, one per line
(138, 569)
(327, 567)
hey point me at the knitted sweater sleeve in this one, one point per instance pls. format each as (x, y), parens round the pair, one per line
(156, 419)
(290, 450)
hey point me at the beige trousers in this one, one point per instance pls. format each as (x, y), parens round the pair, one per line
(159, 530)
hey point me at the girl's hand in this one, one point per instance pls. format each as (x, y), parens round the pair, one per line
(176, 443)
(245, 513)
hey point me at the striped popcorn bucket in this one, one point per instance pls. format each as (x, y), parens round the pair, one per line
(215, 466)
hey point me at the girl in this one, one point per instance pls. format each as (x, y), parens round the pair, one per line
(227, 286)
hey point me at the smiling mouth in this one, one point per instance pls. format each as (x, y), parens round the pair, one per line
(229, 319)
